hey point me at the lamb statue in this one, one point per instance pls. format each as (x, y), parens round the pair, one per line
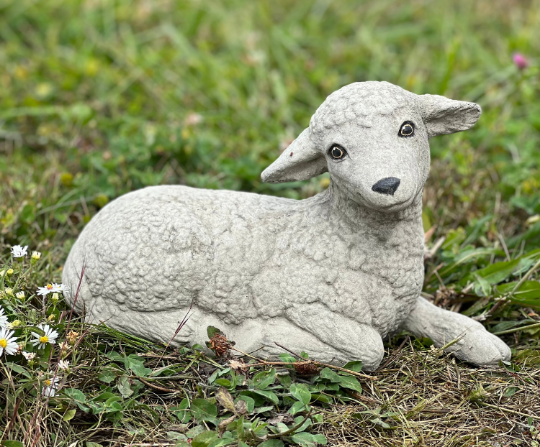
(331, 275)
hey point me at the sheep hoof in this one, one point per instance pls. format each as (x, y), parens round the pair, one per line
(481, 348)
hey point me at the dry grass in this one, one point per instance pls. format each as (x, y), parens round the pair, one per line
(424, 399)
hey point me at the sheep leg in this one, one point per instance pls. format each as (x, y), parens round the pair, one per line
(476, 345)
(348, 339)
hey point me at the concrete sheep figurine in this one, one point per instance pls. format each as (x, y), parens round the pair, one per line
(331, 275)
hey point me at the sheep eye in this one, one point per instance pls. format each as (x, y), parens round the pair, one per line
(337, 152)
(406, 129)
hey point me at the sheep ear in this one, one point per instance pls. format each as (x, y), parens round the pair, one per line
(442, 115)
(300, 161)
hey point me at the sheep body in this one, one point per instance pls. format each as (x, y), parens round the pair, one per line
(262, 256)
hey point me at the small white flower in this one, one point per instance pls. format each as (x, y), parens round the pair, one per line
(19, 252)
(36, 255)
(44, 291)
(49, 336)
(58, 288)
(3, 318)
(29, 355)
(20, 295)
(63, 365)
(8, 343)
(51, 386)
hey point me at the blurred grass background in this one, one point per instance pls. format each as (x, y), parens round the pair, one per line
(98, 98)
(101, 97)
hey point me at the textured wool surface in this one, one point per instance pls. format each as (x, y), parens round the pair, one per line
(331, 275)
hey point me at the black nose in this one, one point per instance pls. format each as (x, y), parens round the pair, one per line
(387, 185)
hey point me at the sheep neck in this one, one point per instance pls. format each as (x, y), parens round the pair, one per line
(349, 211)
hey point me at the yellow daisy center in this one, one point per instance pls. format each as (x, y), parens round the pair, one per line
(43, 339)
(48, 382)
(3, 342)
(49, 286)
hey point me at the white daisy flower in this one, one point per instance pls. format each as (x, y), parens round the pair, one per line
(29, 355)
(51, 386)
(49, 336)
(44, 291)
(19, 252)
(3, 318)
(58, 288)
(36, 255)
(63, 365)
(8, 343)
(20, 295)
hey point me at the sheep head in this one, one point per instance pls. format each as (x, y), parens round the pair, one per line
(373, 139)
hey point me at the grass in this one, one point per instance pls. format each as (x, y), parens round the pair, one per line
(100, 98)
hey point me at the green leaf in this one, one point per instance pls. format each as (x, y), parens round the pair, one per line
(107, 375)
(355, 366)
(272, 443)
(264, 379)
(223, 441)
(285, 380)
(510, 391)
(104, 396)
(322, 398)
(175, 436)
(328, 374)
(12, 444)
(75, 394)
(495, 273)
(211, 331)
(350, 383)
(115, 356)
(258, 398)
(380, 423)
(204, 439)
(296, 408)
(182, 412)
(223, 382)
(320, 439)
(124, 386)
(136, 364)
(269, 395)
(528, 293)
(464, 257)
(204, 410)
(286, 357)
(69, 415)
(300, 392)
(483, 288)
(305, 425)
(250, 403)
(198, 429)
(18, 369)
(304, 439)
